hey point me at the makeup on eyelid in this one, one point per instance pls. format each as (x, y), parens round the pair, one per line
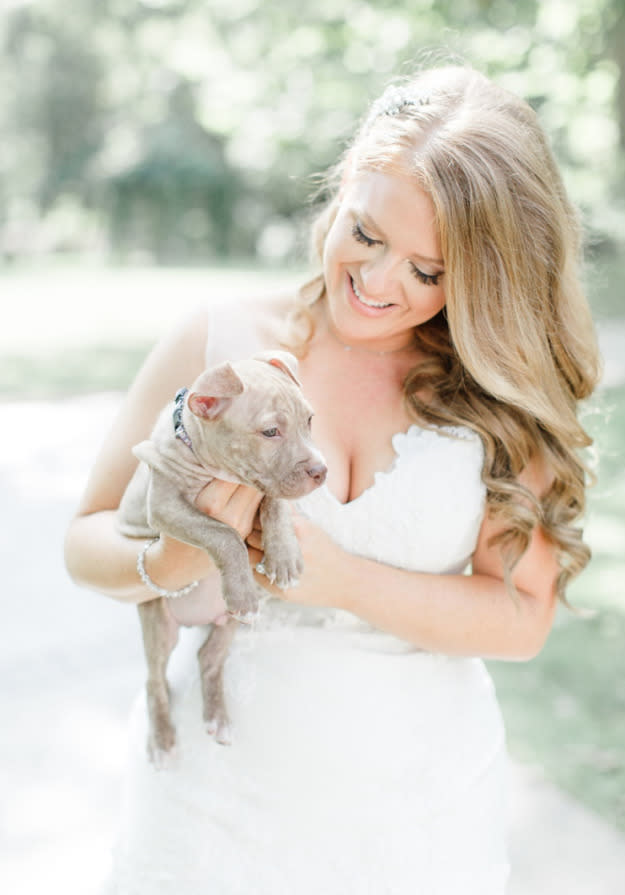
(426, 278)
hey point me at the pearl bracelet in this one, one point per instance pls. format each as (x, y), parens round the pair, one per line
(161, 591)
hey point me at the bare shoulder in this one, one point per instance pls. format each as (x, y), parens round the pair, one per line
(178, 355)
(273, 304)
(274, 312)
(242, 325)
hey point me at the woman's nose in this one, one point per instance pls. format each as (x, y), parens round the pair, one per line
(379, 275)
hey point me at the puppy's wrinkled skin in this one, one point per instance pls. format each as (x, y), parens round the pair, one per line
(249, 423)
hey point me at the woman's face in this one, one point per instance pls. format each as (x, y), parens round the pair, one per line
(382, 262)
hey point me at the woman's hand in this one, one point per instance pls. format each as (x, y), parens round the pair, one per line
(235, 505)
(325, 566)
(170, 559)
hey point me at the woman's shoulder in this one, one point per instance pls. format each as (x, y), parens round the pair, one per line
(259, 306)
(242, 325)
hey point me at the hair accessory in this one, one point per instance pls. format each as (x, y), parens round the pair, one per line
(161, 591)
(395, 100)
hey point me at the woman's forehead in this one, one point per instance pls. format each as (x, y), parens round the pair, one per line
(398, 208)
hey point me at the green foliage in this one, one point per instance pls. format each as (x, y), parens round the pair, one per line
(565, 710)
(62, 372)
(185, 129)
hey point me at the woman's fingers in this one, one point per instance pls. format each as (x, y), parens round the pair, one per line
(214, 497)
(255, 539)
(235, 505)
(255, 556)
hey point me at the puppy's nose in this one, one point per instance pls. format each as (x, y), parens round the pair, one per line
(318, 473)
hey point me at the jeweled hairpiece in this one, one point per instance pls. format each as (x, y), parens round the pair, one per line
(395, 100)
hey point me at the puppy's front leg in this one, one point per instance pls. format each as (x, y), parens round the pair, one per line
(283, 558)
(170, 513)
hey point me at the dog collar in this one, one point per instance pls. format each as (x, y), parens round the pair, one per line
(179, 429)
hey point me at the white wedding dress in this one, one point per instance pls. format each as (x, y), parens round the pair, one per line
(359, 765)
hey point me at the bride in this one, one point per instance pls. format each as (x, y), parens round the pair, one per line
(444, 345)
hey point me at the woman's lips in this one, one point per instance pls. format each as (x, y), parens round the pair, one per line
(373, 309)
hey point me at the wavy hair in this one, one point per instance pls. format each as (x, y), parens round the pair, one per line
(514, 350)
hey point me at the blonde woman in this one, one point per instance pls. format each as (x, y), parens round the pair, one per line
(445, 345)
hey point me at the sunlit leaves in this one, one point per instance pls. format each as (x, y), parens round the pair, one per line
(90, 90)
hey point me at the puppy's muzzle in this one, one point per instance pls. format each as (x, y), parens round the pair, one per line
(317, 473)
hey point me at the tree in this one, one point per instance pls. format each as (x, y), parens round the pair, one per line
(190, 128)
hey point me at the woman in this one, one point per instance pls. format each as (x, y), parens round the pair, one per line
(444, 345)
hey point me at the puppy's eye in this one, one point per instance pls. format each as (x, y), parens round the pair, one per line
(271, 433)
(309, 421)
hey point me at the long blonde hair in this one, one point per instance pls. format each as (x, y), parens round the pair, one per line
(514, 350)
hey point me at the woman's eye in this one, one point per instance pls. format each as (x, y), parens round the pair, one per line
(428, 279)
(359, 236)
(309, 422)
(271, 433)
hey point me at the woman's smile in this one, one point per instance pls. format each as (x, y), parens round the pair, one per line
(368, 303)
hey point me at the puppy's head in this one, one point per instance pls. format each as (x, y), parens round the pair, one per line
(251, 420)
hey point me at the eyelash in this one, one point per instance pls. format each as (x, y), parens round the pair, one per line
(428, 279)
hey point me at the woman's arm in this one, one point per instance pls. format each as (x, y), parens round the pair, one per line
(464, 615)
(97, 556)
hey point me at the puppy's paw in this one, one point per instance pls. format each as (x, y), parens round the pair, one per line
(242, 603)
(162, 759)
(244, 618)
(284, 566)
(216, 719)
(220, 730)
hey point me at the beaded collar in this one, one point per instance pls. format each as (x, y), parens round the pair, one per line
(179, 429)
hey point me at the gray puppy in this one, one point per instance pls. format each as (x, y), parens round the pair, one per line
(246, 422)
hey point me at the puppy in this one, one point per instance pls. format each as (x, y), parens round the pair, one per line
(246, 422)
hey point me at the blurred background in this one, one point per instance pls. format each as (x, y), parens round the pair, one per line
(184, 131)
(156, 154)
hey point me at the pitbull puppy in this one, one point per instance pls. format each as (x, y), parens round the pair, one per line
(249, 423)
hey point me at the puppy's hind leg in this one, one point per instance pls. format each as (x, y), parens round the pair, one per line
(160, 635)
(212, 656)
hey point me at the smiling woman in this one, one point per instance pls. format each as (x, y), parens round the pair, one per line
(444, 346)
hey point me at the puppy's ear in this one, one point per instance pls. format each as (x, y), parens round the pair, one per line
(207, 407)
(284, 361)
(214, 391)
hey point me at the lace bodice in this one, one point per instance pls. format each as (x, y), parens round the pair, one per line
(423, 513)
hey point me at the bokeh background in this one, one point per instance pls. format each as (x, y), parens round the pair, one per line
(174, 131)
(156, 154)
